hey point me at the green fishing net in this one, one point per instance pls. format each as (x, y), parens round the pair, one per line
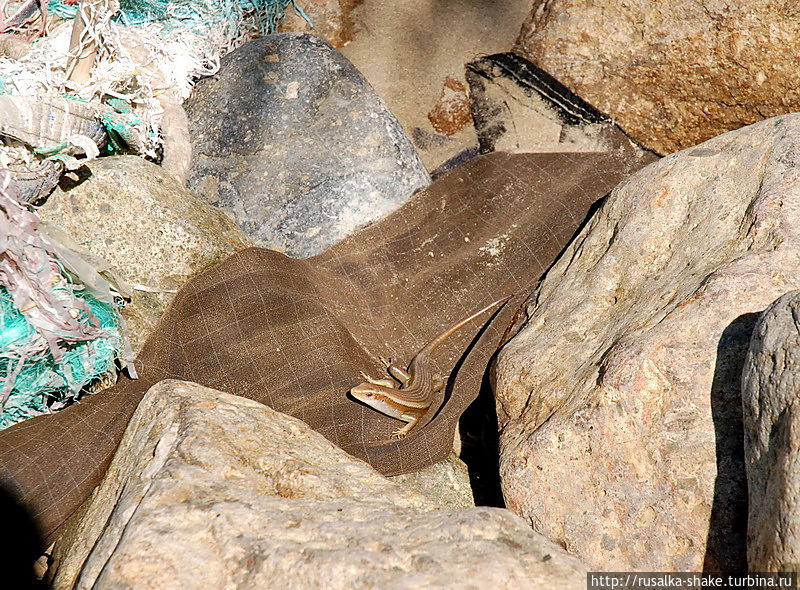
(56, 337)
(39, 383)
(60, 329)
(191, 15)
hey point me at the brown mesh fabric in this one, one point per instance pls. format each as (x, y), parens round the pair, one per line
(294, 334)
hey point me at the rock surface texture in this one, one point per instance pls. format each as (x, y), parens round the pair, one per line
(619, 400)
(671, 73)
(291, 140)
(209, 490)
(446, 483)
(331, 19)
(770, 386)
(150, 229)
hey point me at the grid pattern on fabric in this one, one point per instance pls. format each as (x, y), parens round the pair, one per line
(294, 334)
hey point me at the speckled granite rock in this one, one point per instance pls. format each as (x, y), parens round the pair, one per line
(150, 229)
(291, 139)
(619, 400)
(671, 73)
(770, 386)
(446, 483)
(210, 490)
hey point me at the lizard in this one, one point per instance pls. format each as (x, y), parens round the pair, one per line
(409, 392)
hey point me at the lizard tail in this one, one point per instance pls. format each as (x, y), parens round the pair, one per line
(447, 333)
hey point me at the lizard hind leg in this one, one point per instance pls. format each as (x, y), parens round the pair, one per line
(439, 383)
(394, 370)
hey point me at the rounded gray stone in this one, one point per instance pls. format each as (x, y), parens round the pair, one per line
(291, 139)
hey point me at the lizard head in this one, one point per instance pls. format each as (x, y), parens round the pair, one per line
(378, 400)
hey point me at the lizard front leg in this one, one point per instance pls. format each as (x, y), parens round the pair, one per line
(413, 418)
(385, 382)
(412, 422)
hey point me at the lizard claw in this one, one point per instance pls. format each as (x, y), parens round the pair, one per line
(386, 362)
(401, 432)
(364, 376)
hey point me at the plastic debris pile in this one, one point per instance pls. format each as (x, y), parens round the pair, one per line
(60, 329)
(145, 50)
(99, 79)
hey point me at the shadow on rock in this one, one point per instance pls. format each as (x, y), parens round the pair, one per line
(726, 549)
(77, 177)
(480, 441)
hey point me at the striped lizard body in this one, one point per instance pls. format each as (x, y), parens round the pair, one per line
(409, 393)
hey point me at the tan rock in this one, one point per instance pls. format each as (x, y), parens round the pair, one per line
(331, 19)
(210, 490)
(770, 386)
(451, 112)
(619, 399)
(151, 230)
(671, 73)
(518, 107)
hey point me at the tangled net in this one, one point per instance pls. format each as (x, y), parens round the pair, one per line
(60, 329)
(146, 49)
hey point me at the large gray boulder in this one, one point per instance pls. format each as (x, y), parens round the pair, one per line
(619, 399)
(210, 490)
(770, 396)
(291, 139)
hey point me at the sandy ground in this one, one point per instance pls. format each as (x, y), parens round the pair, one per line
(408, 48)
